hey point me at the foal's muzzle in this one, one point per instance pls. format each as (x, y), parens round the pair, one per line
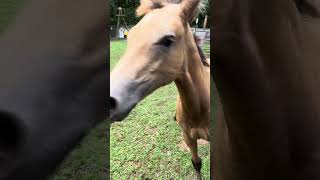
(123, 98)
(116, 112)
(121, 106)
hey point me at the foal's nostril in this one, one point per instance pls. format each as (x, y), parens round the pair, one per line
(10, 134)
(113, 103)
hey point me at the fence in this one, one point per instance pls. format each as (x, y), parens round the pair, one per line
(204, 35)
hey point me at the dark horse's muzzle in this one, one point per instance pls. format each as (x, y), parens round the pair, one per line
(47, 104)
(53, 84)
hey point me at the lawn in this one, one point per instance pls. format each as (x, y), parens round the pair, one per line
(148, 143)
(88, 161)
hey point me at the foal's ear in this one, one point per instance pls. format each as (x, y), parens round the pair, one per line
(148, 5)
(191, 8)
(144, 8)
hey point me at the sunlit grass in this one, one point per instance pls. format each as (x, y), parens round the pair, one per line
(88, 161)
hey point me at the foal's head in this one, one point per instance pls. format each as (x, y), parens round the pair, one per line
(158, 50)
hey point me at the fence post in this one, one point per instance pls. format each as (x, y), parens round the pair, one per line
(205, 21)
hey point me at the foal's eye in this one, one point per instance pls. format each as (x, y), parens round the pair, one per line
(167, 41)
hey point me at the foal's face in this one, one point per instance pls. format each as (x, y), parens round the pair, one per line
(156, 48)
(155, 57)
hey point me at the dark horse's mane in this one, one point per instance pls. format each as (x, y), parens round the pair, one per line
(203, 57)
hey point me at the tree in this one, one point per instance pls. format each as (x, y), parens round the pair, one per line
(130, 8)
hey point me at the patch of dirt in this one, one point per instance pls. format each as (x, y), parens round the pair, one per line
(190, 177)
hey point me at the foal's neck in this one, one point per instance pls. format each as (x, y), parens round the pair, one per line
(192, 86)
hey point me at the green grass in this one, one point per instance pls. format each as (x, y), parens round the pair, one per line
(147, 144)
(88, 161)
(206, 48)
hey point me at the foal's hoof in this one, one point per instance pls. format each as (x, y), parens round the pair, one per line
(197, 167)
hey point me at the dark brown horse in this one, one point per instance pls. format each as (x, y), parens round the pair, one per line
(267, 71)
(53, 83)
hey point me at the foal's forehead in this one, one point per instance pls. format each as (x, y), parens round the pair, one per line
(166, 20)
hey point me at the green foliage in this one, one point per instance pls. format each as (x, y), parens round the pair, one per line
(130, 8)
(148, 143)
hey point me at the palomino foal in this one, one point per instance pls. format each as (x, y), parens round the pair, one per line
(162, 49)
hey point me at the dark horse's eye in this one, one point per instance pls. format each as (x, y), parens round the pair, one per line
(167, 40)
(308, 7)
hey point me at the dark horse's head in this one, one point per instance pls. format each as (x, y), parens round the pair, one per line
(53, 84)
(266, 70)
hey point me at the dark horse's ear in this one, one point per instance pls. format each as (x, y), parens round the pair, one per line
(190, 8)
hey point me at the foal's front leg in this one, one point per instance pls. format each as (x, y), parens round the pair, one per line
(193, 146)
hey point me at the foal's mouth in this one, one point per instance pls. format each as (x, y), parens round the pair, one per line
(119, 112)
(124, 96)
